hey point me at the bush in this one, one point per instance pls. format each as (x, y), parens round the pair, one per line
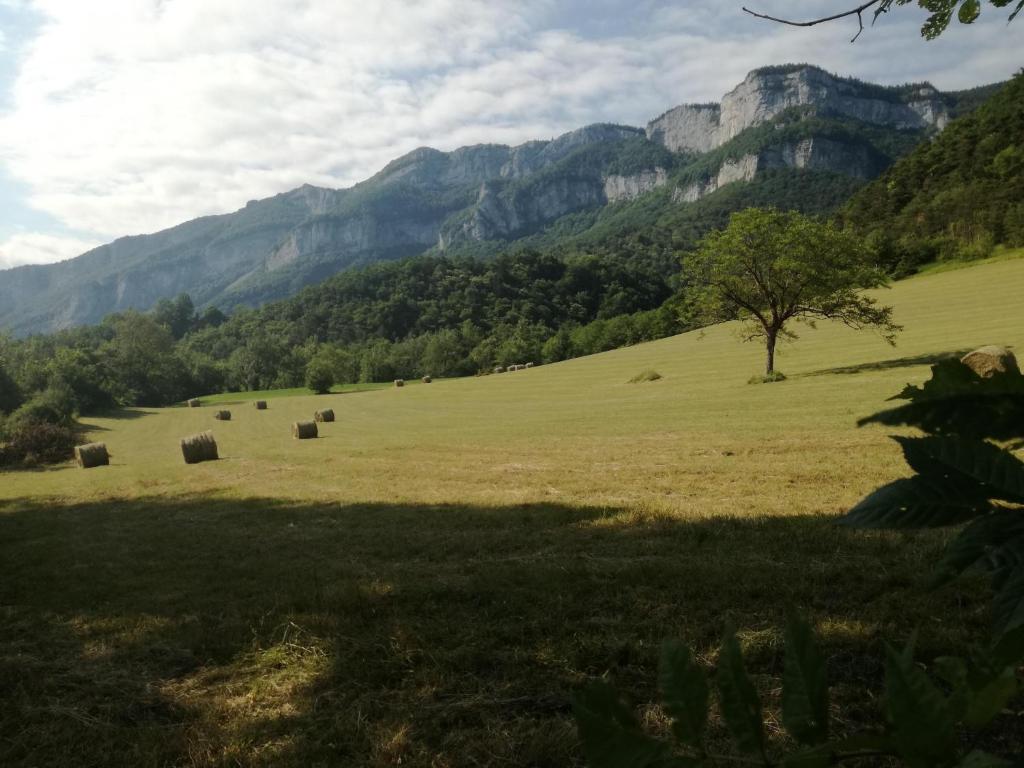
(30, 443)
(649, 375)
(980, 247)
(319, 375)
(770, 378)
(55, 405)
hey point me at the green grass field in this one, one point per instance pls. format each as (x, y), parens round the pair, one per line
(427, 583)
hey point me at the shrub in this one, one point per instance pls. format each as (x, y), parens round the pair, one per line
(770, 378)
(319, 375)
(31, 443)
(54, 405)
(980, 247)
(649, 375)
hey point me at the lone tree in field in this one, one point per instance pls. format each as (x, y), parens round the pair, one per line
(771, 267)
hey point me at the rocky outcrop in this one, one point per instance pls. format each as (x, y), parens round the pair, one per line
(854, 160)
(687, 128)
(483, 162)
(618, 188)
(766, 93)
(501, 214)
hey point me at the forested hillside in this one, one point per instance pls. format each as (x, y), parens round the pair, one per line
(954, 197)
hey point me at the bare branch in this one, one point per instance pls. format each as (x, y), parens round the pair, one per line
(858, 11)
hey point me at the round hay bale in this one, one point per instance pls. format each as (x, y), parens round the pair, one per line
(499, 369)
(427, 379)
(989, 360)
(399, 382)
(261, 405)
(325, 415)
(222, 415)
(92, 455)
(197, 448)
(194, 402)
(304, 430)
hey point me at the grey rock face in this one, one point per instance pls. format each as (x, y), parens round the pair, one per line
(809, 154)
(764, 94)
(498, 215)
(617, 188)
(687, 128)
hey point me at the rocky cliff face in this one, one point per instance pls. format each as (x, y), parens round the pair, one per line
(618, 188)
(765, 94)
(812, 154)
(688, 128)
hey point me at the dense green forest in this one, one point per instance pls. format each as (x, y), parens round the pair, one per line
(954, 197)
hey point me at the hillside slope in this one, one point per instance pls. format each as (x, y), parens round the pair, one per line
(793, 119)
(954, 196)
(415, 435)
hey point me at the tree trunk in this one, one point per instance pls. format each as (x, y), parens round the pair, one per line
(769, 367)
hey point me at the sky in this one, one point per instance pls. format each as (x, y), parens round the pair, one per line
(122, 117)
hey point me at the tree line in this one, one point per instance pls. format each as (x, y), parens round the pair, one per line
(428, 315)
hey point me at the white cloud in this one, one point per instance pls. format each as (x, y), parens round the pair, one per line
(38, 248)
(133, 115)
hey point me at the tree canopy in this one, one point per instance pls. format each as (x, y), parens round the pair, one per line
(771, 267)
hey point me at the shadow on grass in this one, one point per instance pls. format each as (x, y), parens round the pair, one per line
(167, 631)
(87, 423)
(886, 365)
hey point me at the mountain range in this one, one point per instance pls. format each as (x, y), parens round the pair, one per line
(793, 119)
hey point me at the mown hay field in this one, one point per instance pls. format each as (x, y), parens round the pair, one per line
(427, 581)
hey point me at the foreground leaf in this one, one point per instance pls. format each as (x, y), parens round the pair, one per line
(918, 502)
(814, 757)
(741, 707)
(999, 530)
(1009, 649)
(804, 684)
(920, 717)
(684, 692)
(610, 733)
(956, 401)
(989, 700)
(969, 11)
(979, 759)
(1000, 473)
(1008, 605)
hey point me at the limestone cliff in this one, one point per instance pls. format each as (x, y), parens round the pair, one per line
(767, 93)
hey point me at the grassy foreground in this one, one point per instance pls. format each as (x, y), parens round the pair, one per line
(427, 582)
